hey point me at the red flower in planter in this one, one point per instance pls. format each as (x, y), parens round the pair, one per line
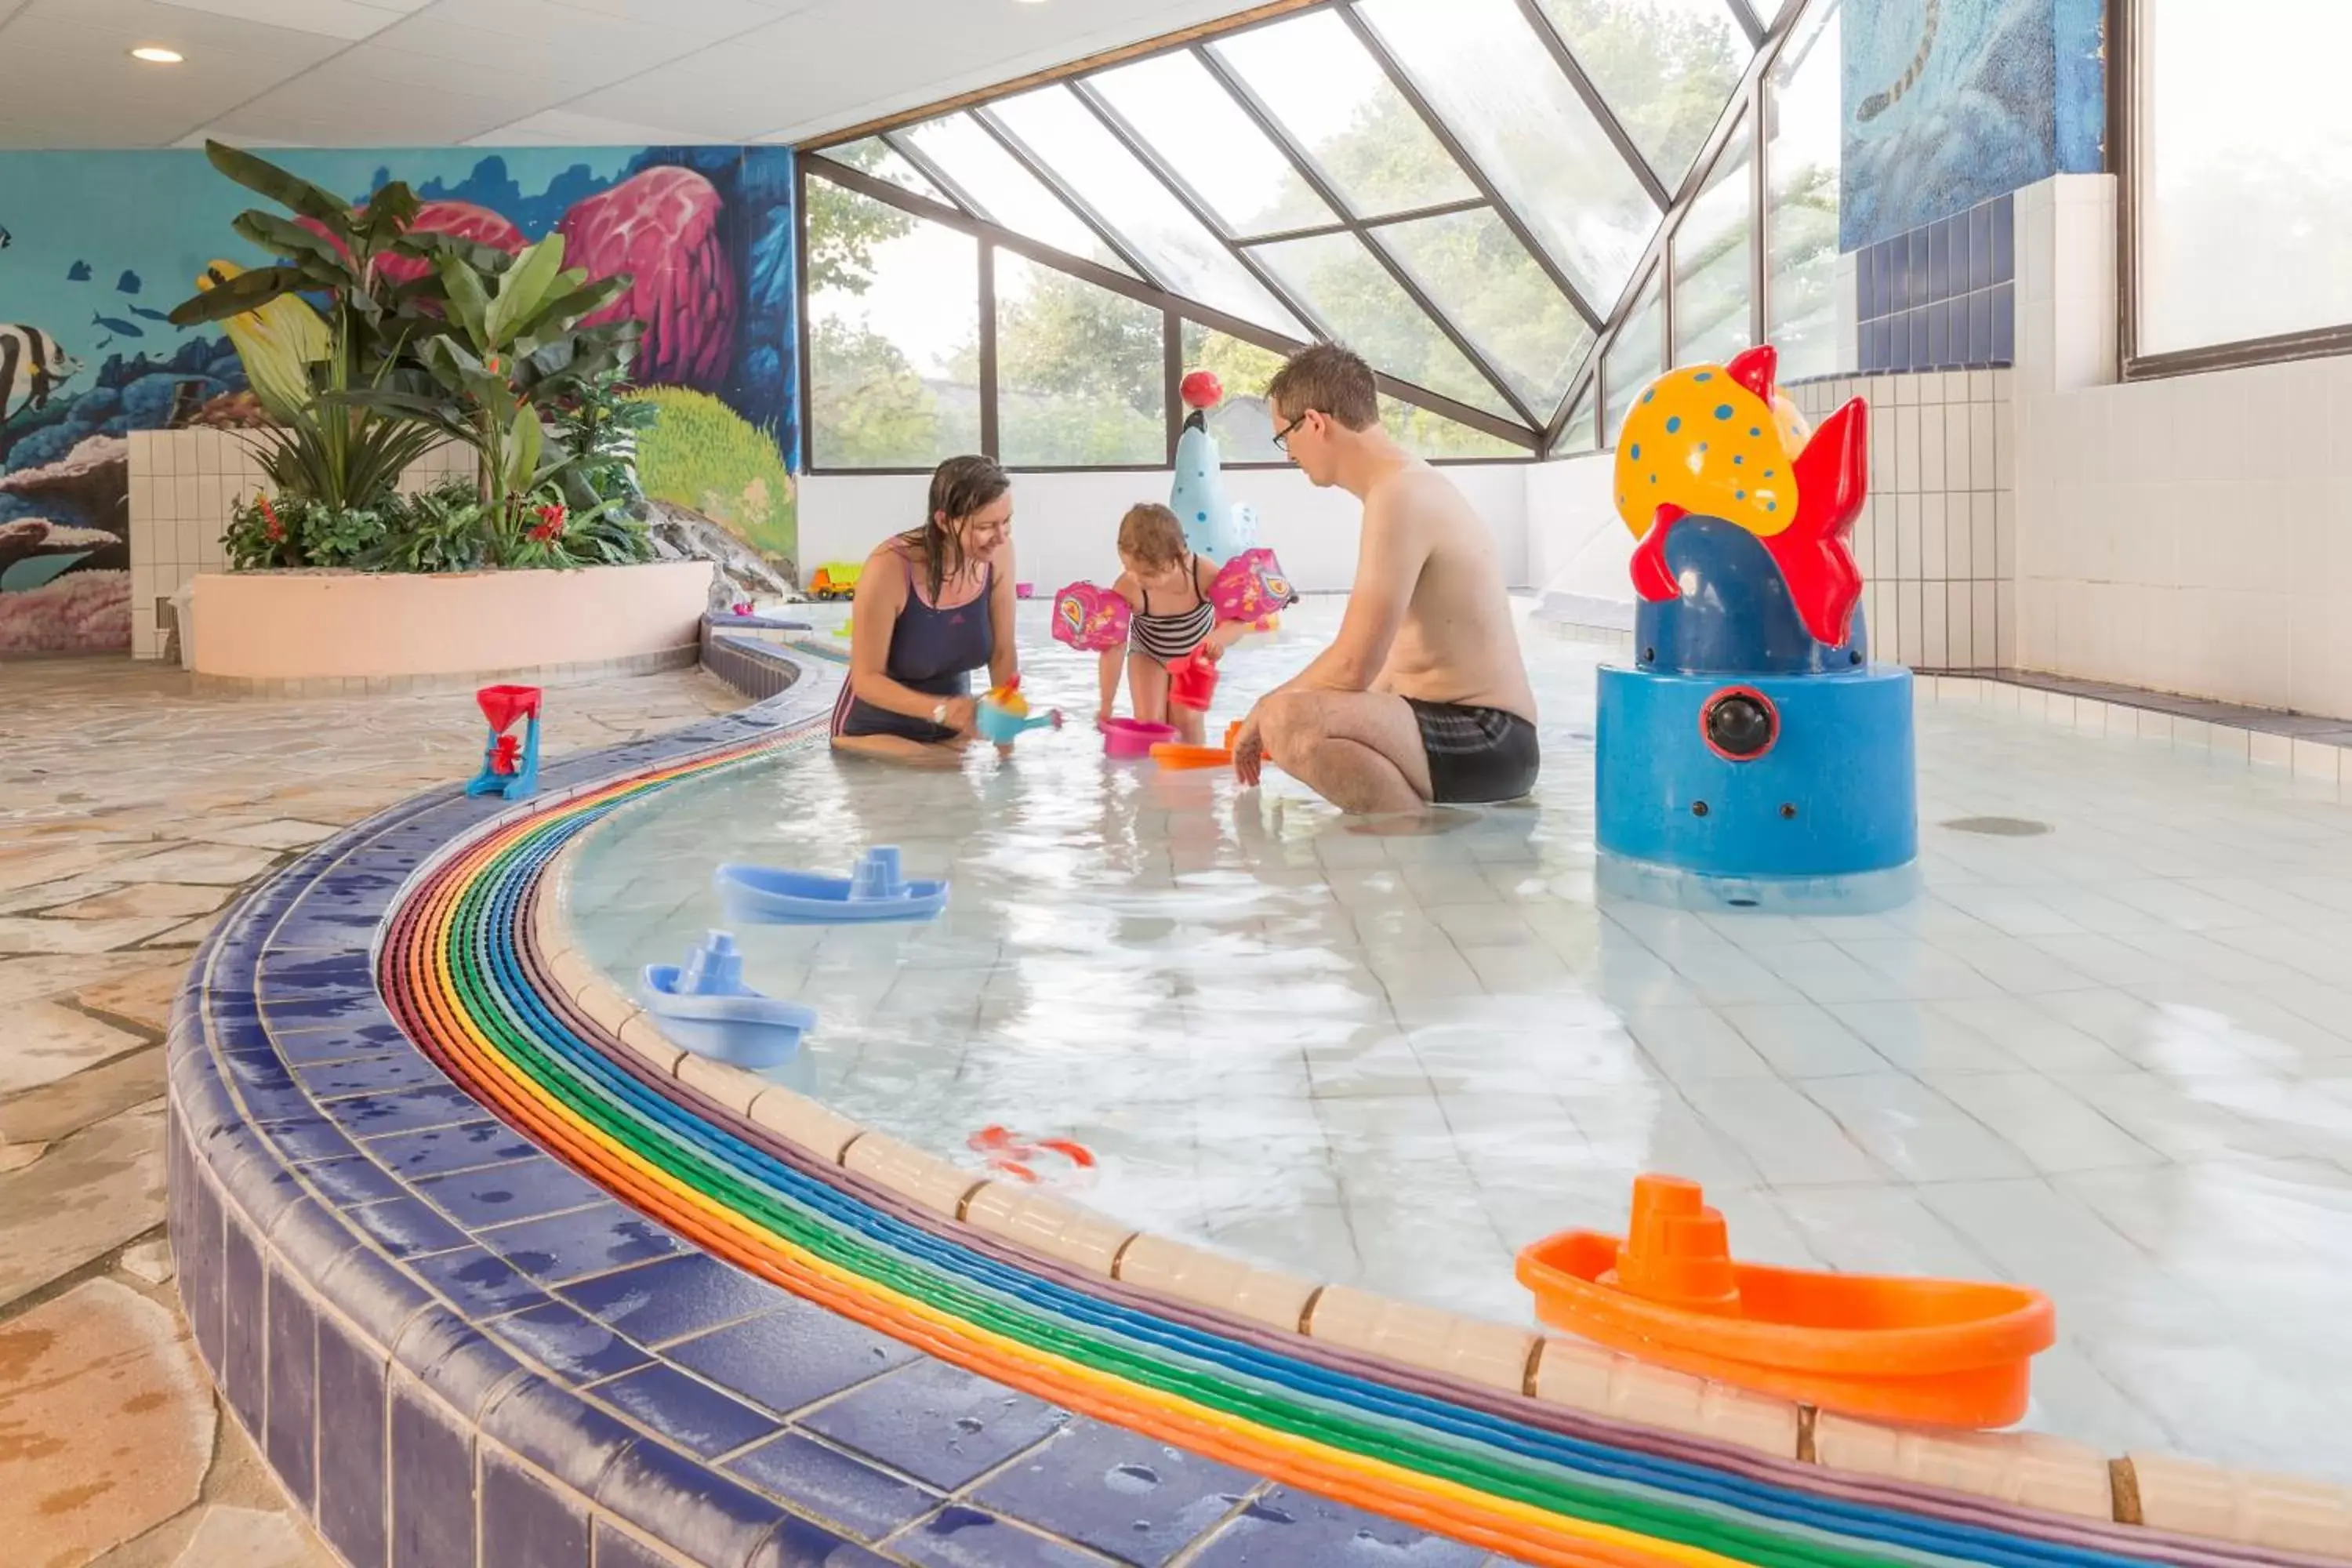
(550, 522)
(270, 525)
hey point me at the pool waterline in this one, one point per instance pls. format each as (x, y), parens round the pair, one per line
(1390, 1058)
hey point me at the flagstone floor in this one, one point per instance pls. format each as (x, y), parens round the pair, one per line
(130, 813)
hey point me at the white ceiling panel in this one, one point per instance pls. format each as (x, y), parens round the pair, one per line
(349, 19)
(438, 73)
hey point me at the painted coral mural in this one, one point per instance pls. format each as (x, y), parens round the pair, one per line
(101, 245)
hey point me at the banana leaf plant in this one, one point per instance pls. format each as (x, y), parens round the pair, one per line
(511, 350)
(344, 456)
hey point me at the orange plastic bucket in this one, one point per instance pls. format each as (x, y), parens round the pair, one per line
(1947, 1352)
(1170, 754)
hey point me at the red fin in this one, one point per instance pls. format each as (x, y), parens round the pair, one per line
(1651, 578)
(1832, 478)
(1757, 369)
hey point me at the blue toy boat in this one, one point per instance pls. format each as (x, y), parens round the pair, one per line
(704, 1006)
(772, 896)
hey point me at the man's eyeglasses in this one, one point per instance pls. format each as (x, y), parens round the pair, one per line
(1282, 437)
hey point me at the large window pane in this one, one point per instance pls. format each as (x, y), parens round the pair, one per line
(1801, 163)
(1333, 100)
(1008, 194)
(1714, 260)
(1187, 118)
(1578, 435)
(1666, 68)
(1334, 275)
(1490, 78)
(1475, 270)
(1065, 136)
(874, 156)
(1636, 357)
(894, 332)
(2246, 171)
(1243, 424)
(1437, 437)
(1081, 373)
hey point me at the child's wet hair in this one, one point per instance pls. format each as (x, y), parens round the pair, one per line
(1151, 535)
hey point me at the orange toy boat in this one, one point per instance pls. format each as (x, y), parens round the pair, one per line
(1946, 1352)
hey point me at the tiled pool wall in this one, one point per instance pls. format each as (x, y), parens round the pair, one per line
(452, 1349)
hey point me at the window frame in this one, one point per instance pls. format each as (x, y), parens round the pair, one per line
(2128, 104)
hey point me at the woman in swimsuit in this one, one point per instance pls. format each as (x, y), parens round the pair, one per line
(934, 604)
(1167, 587)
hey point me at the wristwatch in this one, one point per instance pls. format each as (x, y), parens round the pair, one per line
(939, 715)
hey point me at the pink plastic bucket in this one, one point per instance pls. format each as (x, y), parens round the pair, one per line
(1129, 738)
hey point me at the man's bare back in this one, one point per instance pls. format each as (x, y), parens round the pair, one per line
(1456, 644)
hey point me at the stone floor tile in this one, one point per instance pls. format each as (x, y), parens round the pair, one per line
(282, 834)
(141, 1001)
(82, 1199)
(108, 1422)
(22, 934)
(251, 1538)
(142, 898)
(222, 865)
(44, 1041)
(58, 1110)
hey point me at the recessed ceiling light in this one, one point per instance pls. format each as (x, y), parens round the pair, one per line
(157, 57)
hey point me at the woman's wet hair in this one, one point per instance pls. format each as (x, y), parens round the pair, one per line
(960, 487)
(1151, 535)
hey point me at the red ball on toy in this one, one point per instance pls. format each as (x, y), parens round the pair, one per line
(1202, 389)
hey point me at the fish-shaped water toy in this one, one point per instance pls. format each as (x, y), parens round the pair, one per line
(1721, 441)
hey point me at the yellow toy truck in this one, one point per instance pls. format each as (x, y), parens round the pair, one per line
(836, 580)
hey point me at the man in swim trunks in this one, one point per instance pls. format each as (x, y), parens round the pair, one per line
(1422, 698)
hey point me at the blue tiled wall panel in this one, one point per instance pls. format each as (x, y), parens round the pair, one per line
(1942, 297)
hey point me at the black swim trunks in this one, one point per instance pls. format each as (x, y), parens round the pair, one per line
(1476, 755)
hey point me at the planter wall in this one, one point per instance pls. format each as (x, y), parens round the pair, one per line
(331, 633)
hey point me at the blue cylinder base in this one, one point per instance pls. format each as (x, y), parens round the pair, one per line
(1826, 820)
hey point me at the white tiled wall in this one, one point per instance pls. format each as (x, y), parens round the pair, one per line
(184, 485)
(1937, 539)
(2191, 534)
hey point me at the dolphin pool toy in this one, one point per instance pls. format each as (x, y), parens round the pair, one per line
(1003, 714)
(770, 895)
(1212, 527)
(704, 1006)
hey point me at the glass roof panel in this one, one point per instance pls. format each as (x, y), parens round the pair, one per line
(1714, 259)
(1637, 356)
(1344, 283)
(877, 157)
(1185, 116)
(1332, 98)
(1475, 270)
(1065, 135)
(1665, 68)
(1008, 194)
(1517, 115)
(1577, 436)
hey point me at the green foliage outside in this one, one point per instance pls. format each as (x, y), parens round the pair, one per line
(1079, 367)
(702, 455)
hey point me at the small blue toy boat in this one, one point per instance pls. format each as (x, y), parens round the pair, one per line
(704, 1006)
(772, 896)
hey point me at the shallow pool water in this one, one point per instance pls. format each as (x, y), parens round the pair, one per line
(2110, 1059)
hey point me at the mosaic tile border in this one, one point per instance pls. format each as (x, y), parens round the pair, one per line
(454, 1350)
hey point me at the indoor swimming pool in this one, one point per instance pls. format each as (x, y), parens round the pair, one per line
(2103, 1053)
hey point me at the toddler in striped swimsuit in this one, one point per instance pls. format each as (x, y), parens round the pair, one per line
(1167, 587)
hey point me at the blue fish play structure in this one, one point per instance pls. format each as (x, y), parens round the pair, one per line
(1747, 760)
(704, 1006)
(772, 896)
(1212, 526)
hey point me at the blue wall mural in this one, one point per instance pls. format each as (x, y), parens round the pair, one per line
(1949, 102)
(96, 248)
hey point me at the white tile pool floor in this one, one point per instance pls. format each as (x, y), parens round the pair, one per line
(2112, 1059)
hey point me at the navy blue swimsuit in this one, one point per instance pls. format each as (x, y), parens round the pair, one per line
(932, 650)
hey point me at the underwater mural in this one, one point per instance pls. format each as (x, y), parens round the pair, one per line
(96, 248)
(1947, 103)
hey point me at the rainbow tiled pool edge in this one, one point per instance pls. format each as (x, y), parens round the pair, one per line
(454, 1346)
